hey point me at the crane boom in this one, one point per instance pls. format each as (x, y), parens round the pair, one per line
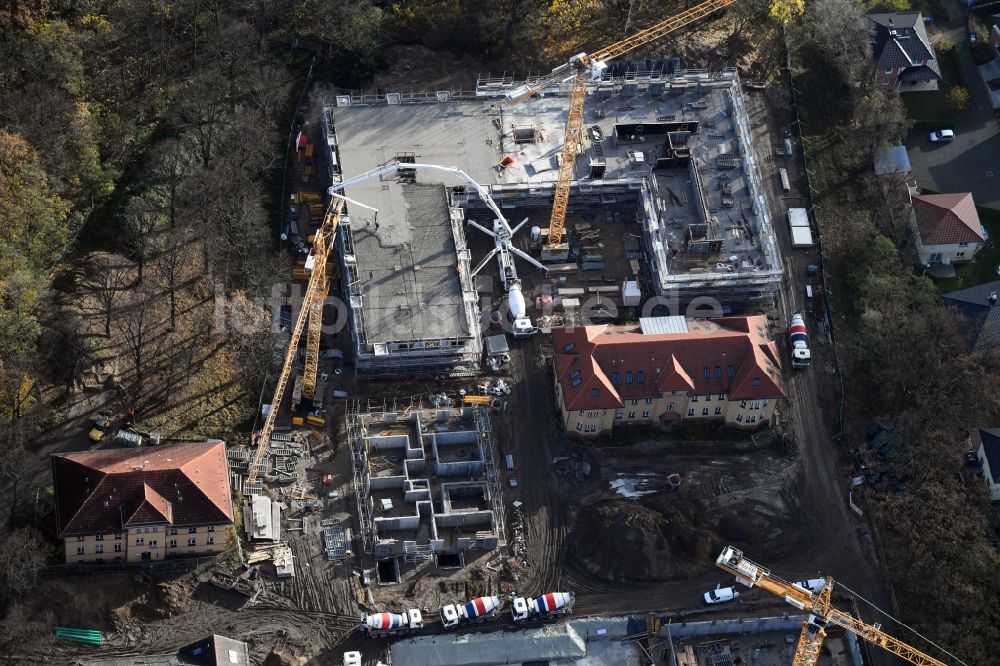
(317, 284)
(821, 614)
(665, 27)
(567, 163)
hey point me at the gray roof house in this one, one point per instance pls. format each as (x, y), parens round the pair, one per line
(903, 52)
(980, 314)
(986, 444)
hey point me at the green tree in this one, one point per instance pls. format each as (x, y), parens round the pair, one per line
(959, 98)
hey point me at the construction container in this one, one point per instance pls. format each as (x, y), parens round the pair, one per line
(297, 421)
(631, 295)
(315, 420)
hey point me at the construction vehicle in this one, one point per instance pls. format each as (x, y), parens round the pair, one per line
(502, 233)
(380, 625)
(581, 68)
(478, 610)
(546, 607)
(798, 337)
(821, 613)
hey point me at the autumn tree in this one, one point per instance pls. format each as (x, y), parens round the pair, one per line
(141, 218)
(109, 288)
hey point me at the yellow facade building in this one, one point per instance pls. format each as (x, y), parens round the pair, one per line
(139, 505)
(665, 370)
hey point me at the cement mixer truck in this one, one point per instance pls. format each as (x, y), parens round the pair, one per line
(546, 607)
(799, 340)
(478, 610)
(392, 624)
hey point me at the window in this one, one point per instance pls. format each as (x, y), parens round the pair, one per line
(99, 548)
(569, 347)
(616, 378)
(173, 543)
(708, 398)
(79, 550)
(751, 419)
(592, 428)
(722, 396)
(194, 530)
(707, 374)
(152, 544)
(211, 539)
(574, 374)
(575, 382)
(173, 531)
(963, 245)
(739, 417)
(640, 377)
(670, 407)
(99, 537)
(690, 412)
(718, 372)
(631, 415)
(743, 404)
(764, 403)
(756, 382)
(649, 401)
(118, 548)
(628, 377)
(635, 402)
(118, 536)
(645, 414)
(731, 371)
(619, 414)
(959, 254)
(579, 426)
(718, 410)
(704, 412)
(590, 414)
(694, 398)
(581, 412)
(594, 393)
(80, 538)
(191, 541)
(139, 541)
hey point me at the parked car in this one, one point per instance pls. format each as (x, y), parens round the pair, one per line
(942, 136)
(721, 595)
(813, 585)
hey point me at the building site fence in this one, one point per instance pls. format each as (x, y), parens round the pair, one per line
(159, 568)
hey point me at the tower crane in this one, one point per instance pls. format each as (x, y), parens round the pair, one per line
(502, 234)
(311, 311)
(581, 68)
(821, 613)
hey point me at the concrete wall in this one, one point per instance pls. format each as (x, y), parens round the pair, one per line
(151, 543)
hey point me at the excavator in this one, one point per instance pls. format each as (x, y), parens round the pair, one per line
(581, 69)
(821, 613)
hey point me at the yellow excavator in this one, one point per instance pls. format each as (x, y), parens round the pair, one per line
(821, 613)
(581, 68)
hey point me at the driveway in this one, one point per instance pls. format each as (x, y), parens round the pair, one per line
(971, 163)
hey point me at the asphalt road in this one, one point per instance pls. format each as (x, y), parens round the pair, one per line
(970, 163)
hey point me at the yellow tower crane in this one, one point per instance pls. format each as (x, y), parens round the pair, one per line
(821, 613)
(311, 311)
(580, 68)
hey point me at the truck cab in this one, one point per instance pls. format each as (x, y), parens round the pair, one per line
(450, 616)
(414, 619)
(519, 609)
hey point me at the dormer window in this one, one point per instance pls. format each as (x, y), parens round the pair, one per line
(756, 382)
(569, 347)
(594, 393)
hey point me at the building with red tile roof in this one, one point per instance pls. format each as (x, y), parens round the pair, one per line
(666, 369)
(947, 227)
(139, 504)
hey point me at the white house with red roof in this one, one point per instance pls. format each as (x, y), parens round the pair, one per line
(947, 228)
(664, 370)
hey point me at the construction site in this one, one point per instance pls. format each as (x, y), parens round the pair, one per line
(667, 196)
(426, 486)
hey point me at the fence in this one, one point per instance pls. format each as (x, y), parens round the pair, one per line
(160, 568)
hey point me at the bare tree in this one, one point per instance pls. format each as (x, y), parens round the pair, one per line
(136, 326)
(141, 219)
(171, 262)
(108, 289)
(173, 163)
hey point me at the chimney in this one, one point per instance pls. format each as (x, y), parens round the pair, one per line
(993, 298)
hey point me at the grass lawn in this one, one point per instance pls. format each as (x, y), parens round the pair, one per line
(932, 108)
(984, 268)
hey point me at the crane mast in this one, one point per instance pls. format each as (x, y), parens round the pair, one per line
(317, 285)
(581, 67)
(821, 613)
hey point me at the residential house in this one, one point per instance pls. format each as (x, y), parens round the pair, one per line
(986, 444)
(214, 650)
(979, 315)
(665, 370)
(947, 228)
(137, 505)
(995, 34)
(903, 53)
